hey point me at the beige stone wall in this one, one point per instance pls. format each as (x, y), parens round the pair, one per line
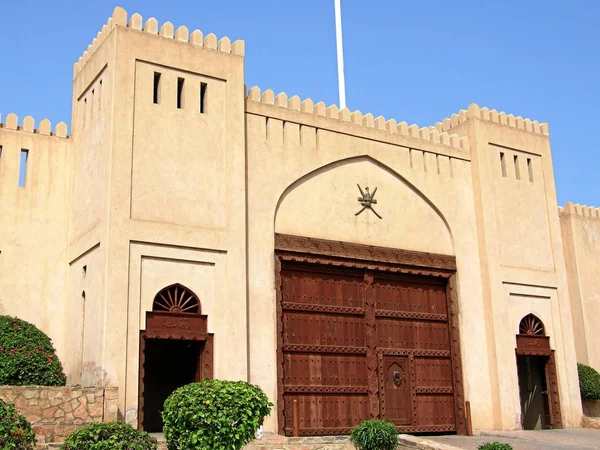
(33, 231)
(581, 237)
(55, 412)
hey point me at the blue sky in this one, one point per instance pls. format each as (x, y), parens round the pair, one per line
(418, 61)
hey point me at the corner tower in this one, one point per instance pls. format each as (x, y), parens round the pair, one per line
(521, 252)
(159, 190)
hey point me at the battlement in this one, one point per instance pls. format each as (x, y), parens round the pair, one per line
(135, 22)
(28, 125)
(501, 118)
(580, 210)
(390, 126)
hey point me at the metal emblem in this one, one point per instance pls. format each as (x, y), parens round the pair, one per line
(367, 200)
(397, 378)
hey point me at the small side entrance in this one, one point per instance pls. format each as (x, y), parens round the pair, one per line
(162, 357)
(538, 385)
(533, 390)
(175, 350)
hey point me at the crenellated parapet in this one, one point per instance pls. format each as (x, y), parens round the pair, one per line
(390, 126)
(28, 125)
(120, 18)
(580, 210)
(493, 116)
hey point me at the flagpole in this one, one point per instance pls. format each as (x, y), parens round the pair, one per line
(340, 53)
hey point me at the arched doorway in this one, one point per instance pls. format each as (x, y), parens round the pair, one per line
(175, 349)
(538, 385)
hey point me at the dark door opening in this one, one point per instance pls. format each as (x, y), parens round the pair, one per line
(169, 364)
(533, 390)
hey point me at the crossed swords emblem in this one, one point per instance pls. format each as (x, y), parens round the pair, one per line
(367, 201)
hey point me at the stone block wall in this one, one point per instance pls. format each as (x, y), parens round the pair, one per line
(274, 442)
(591, 408)
(55, 412)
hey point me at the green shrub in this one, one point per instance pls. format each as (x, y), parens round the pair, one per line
(214, 415)
(589, 382)
(27, 356)
(375, 435)
(495, 446)
(15, 431)
(109, 436)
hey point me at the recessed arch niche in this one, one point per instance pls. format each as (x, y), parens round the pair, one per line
(323, 204)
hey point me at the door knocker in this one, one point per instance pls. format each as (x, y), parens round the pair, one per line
(397, 378)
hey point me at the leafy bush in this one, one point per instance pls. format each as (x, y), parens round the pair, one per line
(375, 435)
(109, 436)
(495, 446)
(589, 382)
(27, 356)
(214, 415)
(15, 431)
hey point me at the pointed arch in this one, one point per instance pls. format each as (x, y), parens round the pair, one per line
(341, 162)
(532, 325)
(177, 298)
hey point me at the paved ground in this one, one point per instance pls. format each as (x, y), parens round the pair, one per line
(569, 439)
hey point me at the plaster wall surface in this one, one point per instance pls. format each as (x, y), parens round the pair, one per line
(33, 235)
(581, 236)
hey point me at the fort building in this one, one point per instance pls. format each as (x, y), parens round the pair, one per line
(356, 267)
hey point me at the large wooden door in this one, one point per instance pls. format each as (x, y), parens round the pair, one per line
(358, 343)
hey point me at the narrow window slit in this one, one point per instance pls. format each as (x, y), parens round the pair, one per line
(503, 164)
(203, 89)
(530, 169)
(156, 93)
(100, 95)
(517, 170)
(284, 126)
(93, 105)
(410, 157)
(23, 167)
(267, 134)
(180, 83)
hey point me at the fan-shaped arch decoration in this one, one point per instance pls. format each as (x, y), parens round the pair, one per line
(176, 299)
(530, 324)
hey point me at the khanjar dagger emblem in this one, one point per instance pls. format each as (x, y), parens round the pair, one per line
(367, 200)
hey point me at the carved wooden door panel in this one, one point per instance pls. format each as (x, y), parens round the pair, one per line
(323, 350)
(357, 343)
(396, 393)
(553, 394)
(412, 321)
